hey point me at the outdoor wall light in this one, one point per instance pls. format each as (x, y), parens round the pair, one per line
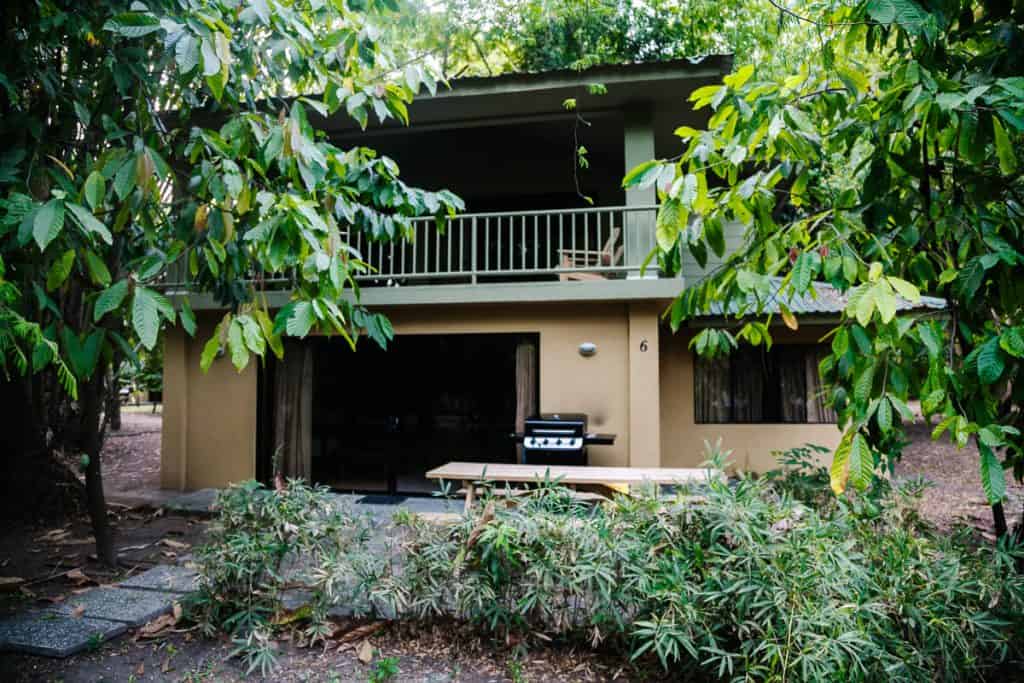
(588, 349)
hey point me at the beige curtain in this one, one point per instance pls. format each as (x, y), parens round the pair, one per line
(293, 410)
(817, 409)
(526, 386)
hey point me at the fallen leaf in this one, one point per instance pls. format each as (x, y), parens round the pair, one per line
(176, 611)
(363, 631)
(140, 670)
(10, 583)
(365, 652)
(79, 578)
(78, 612)
(156, 626)
(166, 666)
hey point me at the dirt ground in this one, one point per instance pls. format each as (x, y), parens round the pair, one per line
(57, 561)
(955, 495)
(438, 654)
(131, 457)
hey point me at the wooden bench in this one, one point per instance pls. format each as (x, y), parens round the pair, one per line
(470, 472)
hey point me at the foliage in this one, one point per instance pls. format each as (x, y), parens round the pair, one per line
(384, 669)
(176, 142)
(738, 579)
(474, 38)
(887, 168)
(265, 543)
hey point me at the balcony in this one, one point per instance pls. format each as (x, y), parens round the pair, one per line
(592, 254)
(563, 245)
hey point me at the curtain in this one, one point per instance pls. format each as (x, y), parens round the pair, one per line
(817, 409)
(293, 410)
(526, 385)
(713, 392)
(792, 384)
(748, 385)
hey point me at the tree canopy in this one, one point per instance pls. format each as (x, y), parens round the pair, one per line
(173, 141)
(888, 166)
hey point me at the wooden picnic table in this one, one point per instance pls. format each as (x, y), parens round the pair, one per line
(570, 475)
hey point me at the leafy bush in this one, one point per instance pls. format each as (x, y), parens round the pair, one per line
(266, 543)
(759, 578)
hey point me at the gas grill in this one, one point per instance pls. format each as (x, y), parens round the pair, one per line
(559, 439)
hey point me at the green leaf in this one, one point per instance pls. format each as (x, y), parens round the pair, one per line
(95, 189)
(252, 334)
(839, 472)
(672, 216)
(124, 181)
(1004, 149)
(186, 53)
(82, 357)
(188, 318)
(133, 24)
(990, 361)
(109, 299)
(883, 415)
(862, 463)
(90, 223)
(1012, 342)
(803, 271)
(715, 235)
(146, 316)
(60, 270)
(905, 289)
(993, 481)
(864, 383)
(301, 320)
(98, 272)
(643, 175)
(236, 345)
(210, 351)
(933, 401)
(48, 223)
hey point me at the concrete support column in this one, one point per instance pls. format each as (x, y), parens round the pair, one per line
(639, 237)
(174, 432)
(644, 386)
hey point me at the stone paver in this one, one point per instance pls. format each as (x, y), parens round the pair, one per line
(125, 605)
(164, 577)
(55, 635)
(200, 501)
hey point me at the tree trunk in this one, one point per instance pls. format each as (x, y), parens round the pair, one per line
(999, 519)
(112, 410)
(92, 395)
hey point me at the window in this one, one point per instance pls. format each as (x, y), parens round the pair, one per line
(753, 385)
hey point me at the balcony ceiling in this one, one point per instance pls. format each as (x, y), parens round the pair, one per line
(542, 94)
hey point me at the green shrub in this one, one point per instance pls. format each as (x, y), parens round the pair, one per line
(759, 578)
(265, 543)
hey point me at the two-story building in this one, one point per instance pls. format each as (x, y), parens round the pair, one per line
(531, 301)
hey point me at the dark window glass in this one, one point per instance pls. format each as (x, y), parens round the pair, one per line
(754, 385)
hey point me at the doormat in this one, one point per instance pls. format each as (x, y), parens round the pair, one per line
(381, 499)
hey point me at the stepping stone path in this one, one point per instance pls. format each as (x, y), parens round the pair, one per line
(89, 619)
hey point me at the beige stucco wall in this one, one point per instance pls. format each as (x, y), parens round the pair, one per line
(682, 441)
(209, 436)
(645, 397)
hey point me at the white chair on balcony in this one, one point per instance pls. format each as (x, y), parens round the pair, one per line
(608, 255)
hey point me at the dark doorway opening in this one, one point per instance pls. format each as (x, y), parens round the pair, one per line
(381, 419)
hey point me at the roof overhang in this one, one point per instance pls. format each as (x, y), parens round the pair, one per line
(542, 94)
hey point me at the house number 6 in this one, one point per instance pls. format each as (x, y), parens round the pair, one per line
(643, 346)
